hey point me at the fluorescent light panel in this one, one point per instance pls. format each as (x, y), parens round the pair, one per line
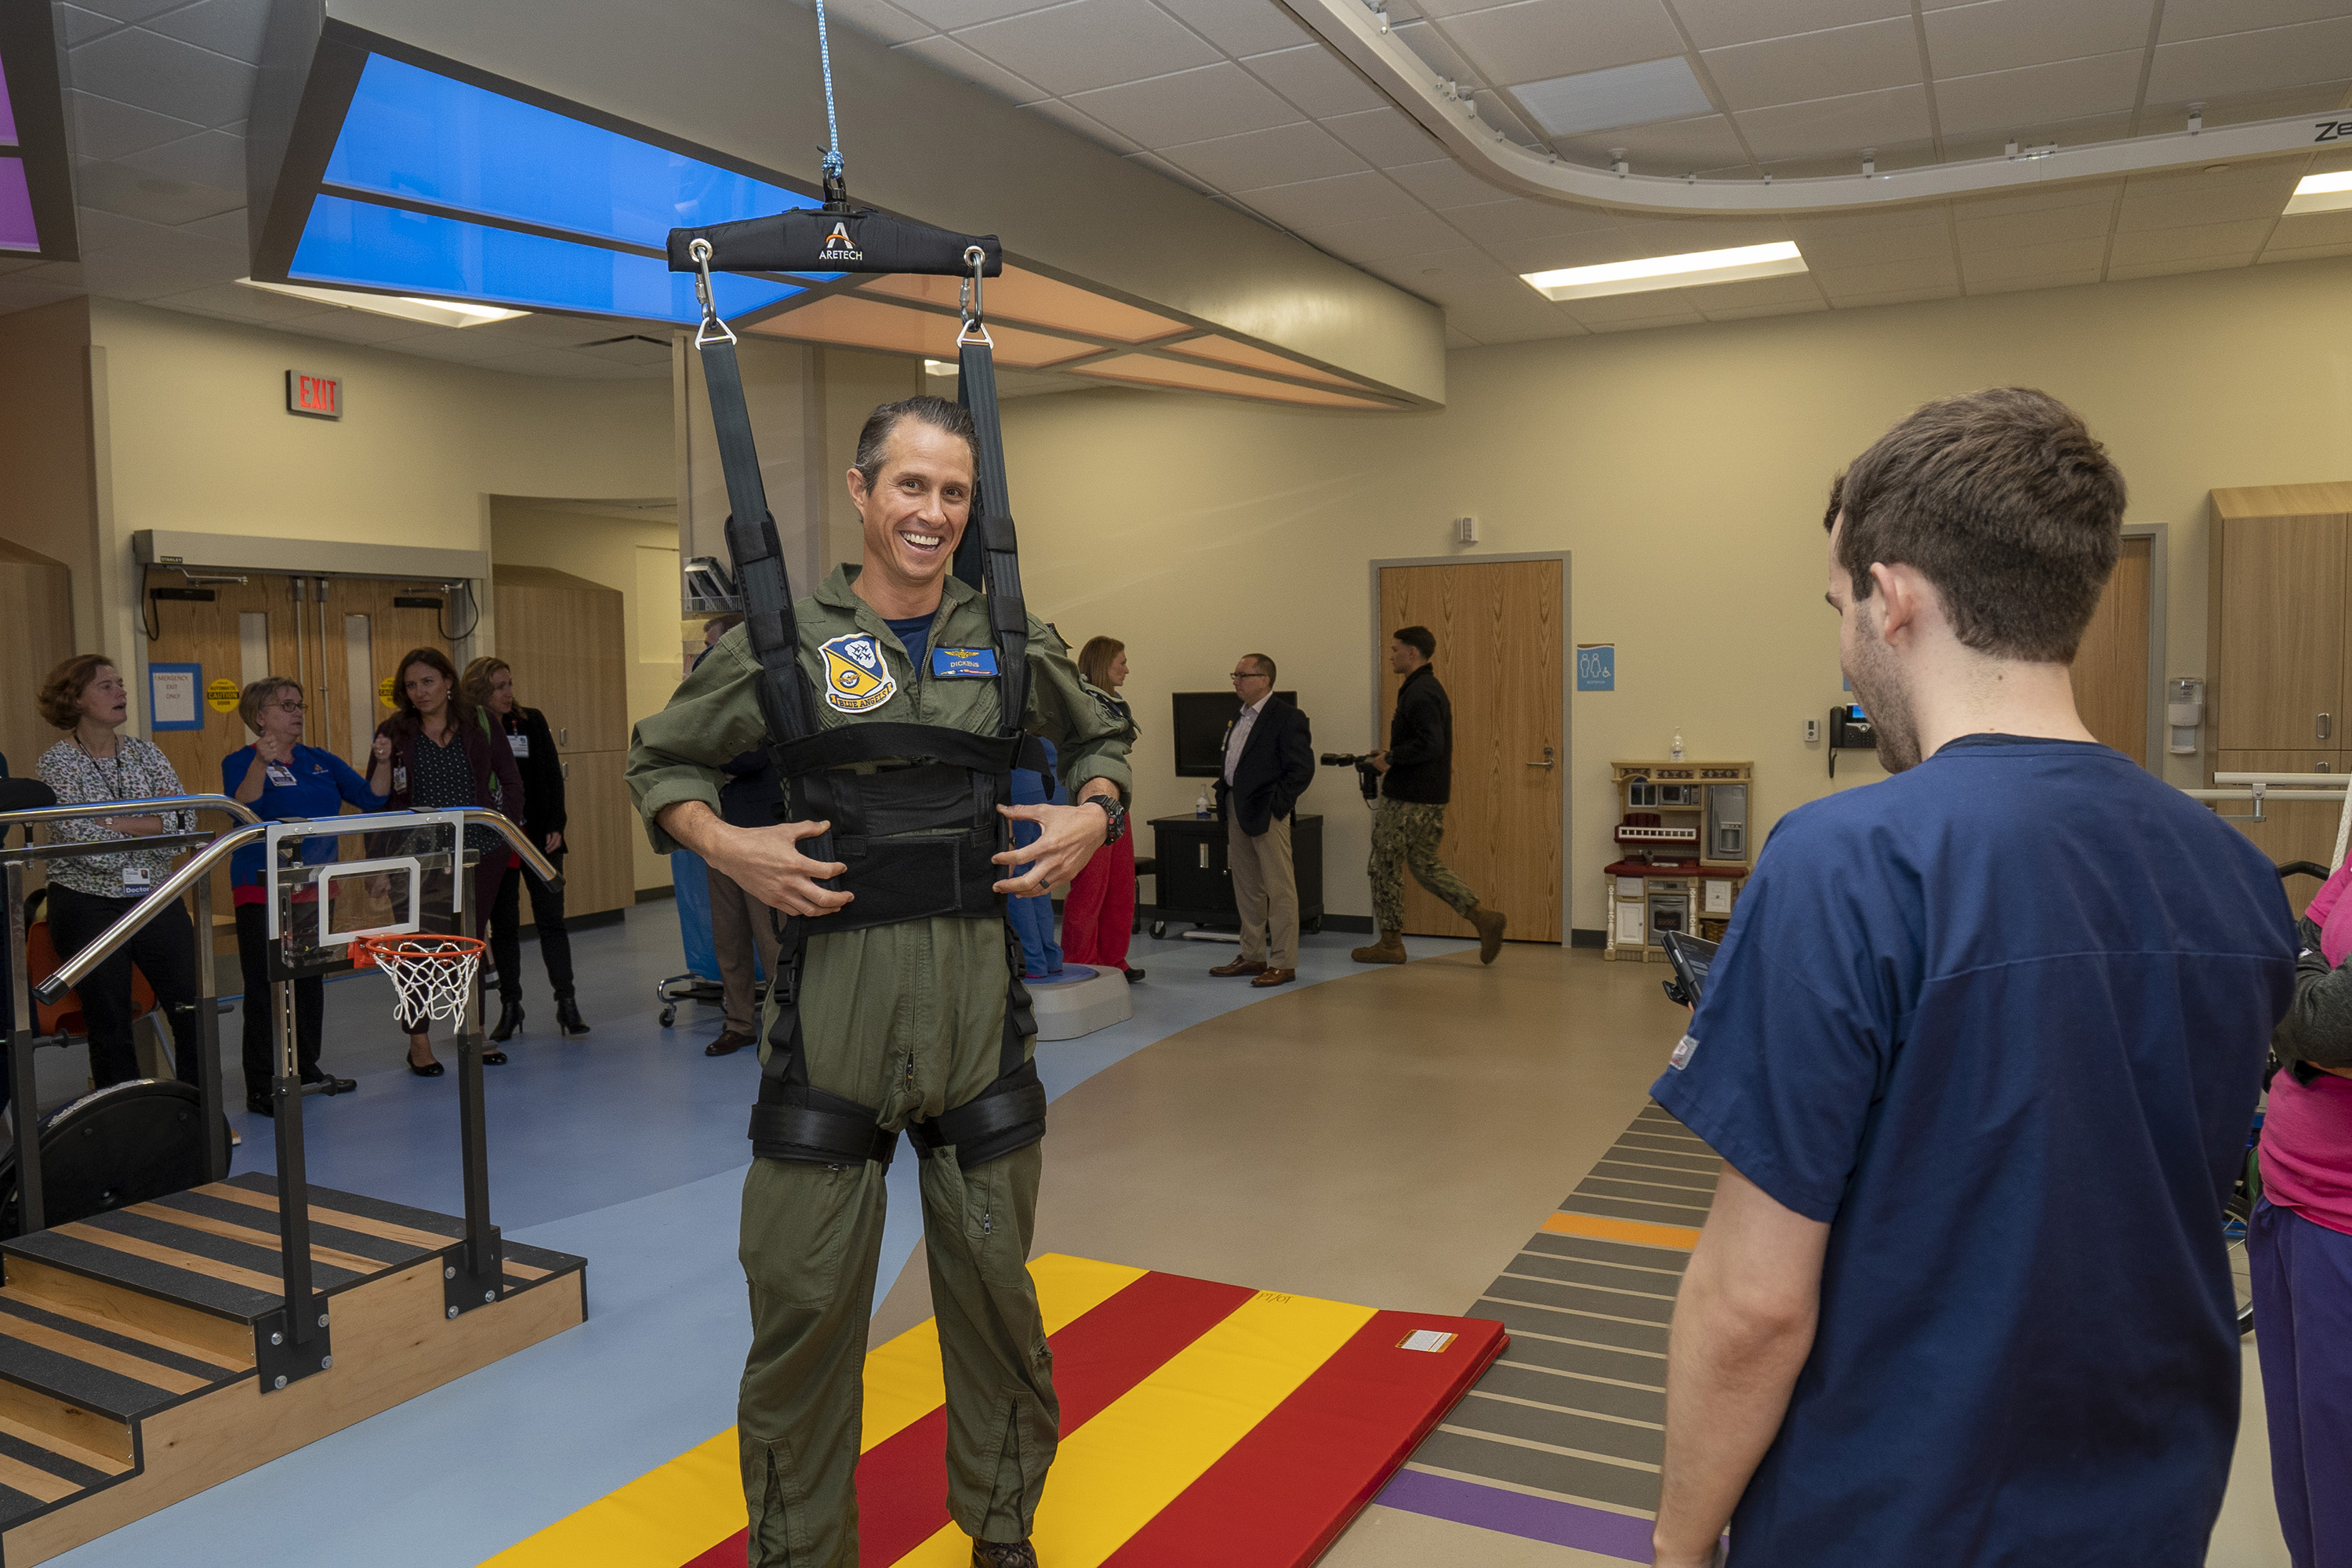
(433, 312)
(2321, 193)
(1623, 95)
(1685, 271)
(941, 368)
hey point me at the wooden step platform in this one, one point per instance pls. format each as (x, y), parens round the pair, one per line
(128, 1345)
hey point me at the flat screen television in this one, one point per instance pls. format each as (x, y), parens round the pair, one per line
(1200, 730)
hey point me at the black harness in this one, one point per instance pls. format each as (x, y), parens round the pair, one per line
(912, 807)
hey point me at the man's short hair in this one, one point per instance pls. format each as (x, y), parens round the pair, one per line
(953, 418)
(1420, 640)
(1265, 665)
(2003, 500)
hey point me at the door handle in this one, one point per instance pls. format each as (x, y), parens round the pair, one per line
(563, 737)
(1546, 762)
(2326, 725)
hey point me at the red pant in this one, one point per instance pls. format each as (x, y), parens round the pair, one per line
(1099, 912)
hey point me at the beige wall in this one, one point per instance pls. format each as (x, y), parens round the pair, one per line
(1685, 469)
(631, 552)
(47, 502)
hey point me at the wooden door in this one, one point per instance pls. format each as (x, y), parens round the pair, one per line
(36, 636)
(2111, 668)
(2278, 621)
(1501, 653)
(565, 637)
(367, 625)
(2293, 830)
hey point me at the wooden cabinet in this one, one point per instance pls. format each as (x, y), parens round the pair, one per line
(36, 636)
(2278, 676)
(566, 639)
(599, 872)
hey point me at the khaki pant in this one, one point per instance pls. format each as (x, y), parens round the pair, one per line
(908, 1019)
(1266, 891)
(739, 924)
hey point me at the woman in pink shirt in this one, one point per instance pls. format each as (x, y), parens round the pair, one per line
(2299, 1245)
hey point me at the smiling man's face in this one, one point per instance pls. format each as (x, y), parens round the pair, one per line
(916, 509)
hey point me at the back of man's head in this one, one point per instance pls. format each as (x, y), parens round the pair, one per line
(2003, 500)
(1420, 640)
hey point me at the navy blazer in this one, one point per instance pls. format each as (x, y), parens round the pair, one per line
(1276, 764)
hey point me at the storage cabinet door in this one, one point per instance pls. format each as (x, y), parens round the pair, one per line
(599, 872)
(2281, 662)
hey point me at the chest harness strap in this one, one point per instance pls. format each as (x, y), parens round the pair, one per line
(916, 824)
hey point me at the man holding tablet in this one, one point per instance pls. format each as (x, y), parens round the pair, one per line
(1979, 1049)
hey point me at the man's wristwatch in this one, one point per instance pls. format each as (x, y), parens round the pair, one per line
(1112, 809)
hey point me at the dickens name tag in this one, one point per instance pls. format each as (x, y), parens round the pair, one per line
(950, 663)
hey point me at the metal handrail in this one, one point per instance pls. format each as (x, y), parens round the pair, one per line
(156, 807)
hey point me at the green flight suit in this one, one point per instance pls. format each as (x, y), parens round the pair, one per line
(907, 1018)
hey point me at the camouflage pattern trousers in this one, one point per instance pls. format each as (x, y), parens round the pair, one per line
(1406, 833)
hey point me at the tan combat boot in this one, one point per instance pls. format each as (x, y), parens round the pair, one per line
(1490, 924)
(1389, 948)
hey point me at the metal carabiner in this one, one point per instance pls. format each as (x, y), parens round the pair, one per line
(704, 335)
(975, 330)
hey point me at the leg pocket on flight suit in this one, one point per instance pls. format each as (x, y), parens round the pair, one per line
(798, 1219)
(778, 1536)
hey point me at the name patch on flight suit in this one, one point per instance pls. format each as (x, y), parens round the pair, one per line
(856, 678)
(953, 663)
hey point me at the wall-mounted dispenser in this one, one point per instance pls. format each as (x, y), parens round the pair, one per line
(2184, 712)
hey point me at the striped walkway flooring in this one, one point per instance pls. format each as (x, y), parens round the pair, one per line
(1560, 1441)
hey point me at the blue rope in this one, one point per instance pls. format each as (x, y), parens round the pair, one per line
(832, 129)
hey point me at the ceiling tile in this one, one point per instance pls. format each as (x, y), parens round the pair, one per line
(169, 76)
(1505, 223)
(1088, 44)
(945, 14)
(1894, 297)
(1445, 184)
(106, 129)
(1833, 125)
(2252, 62)
(79, 27)
(1240, 26)
(1629, 243)
(362, 326)
(2306, 252)
(208, 158)
(1221, 99)
(1455, 338)
(1166, 170)
(1938, 272)
(130, 10)
(1660, 89)
(1676, 147)
(244, 304)
(1536, 39)
(1367, 243)
(1386, 137)
(1315, 80)
(2035, 200)
(2074, 278)
(2006, 231)
(881, 19)
(2124, 272)
(2006, 34)
(2033, 260)
(231, 28)
(1749, 313)
(1256, 159)
(2001, 100)
(1716, 23)
(2173, 201)
(1857, 239)
(1343, 199)
(2239, 107)
(2032, 133)
(229, 228)
(1430, 272)
(1509, 322)
(1657, 308)
(2307, 229)
(957, 61)
(1841, 62)
(1794, 288)
(2241, 239)
(118, 188)
(1847, 164)
(1085, 124)
(2207, 18)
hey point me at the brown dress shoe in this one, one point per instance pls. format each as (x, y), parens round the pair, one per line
(727, 1043)
(1239, 966)
(1003, 1555)
(1274, 977)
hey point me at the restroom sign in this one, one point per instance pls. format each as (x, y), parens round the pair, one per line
(317, 396)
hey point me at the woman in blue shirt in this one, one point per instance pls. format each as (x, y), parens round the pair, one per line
(280, 777)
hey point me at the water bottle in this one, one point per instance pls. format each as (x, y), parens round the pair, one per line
(1677, 754)
(1202, 808)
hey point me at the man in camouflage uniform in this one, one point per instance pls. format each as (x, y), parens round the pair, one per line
(1416, 780)
(907, 1018)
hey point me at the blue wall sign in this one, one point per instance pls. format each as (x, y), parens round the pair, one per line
(1596, 667)
(175, 697)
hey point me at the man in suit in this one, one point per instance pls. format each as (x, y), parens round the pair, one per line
(1269, 759)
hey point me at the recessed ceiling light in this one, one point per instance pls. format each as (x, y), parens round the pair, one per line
(1683, 271)
(2321, 193)
(433, 312)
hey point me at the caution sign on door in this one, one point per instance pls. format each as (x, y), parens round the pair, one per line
(384, 691)
(221, 696)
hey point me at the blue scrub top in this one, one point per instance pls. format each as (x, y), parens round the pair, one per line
(2000, 1021)
(322, 783)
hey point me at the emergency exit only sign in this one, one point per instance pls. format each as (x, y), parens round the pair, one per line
(318, 396)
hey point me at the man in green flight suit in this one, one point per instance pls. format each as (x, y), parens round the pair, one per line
(908, 1018)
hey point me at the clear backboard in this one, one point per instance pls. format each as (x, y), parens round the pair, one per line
(328, 880)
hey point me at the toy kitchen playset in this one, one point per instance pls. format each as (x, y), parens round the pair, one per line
(1684, 850)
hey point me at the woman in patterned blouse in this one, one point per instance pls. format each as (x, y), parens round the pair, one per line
(94, 763)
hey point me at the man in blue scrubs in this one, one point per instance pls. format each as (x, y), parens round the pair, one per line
(1980, 1050)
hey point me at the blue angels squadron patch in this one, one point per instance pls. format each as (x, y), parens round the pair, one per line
(856, 678)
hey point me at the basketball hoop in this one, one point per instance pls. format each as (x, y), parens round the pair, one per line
(434, 975)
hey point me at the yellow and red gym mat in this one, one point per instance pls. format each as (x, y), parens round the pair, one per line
(1195, 1416)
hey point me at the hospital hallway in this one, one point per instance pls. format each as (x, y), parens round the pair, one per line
(1437, 1137)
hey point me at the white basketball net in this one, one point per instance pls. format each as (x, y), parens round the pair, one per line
(434, 975)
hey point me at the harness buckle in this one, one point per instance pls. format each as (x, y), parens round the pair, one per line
(712, 330)
(975, 331)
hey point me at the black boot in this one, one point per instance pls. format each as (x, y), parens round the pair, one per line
(510, 1020)
(568, 1018)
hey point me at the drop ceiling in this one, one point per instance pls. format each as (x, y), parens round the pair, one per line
(1238, 100)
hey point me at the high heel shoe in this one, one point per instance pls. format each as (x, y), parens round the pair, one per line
(510, 1020)
(568, 1018)
(426, 1070)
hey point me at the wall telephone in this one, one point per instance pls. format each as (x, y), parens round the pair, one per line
(1850, 730)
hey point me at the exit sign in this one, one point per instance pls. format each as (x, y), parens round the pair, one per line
(318, 396)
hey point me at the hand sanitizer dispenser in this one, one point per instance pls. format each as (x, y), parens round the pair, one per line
(2184, 712)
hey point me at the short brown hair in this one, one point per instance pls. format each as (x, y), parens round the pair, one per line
(476, 682)
(1420, 639)
(256, 696)
(1096, 658)
(60, 698)
(2003, 500)
(1268, 664)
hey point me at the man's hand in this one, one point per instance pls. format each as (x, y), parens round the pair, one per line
(765, 862)
(1379, 760)
(554, 842)
(1067, 838)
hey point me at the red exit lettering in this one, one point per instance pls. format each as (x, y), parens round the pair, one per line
(321, 396)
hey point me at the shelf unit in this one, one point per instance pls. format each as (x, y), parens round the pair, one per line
(1685, 848)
